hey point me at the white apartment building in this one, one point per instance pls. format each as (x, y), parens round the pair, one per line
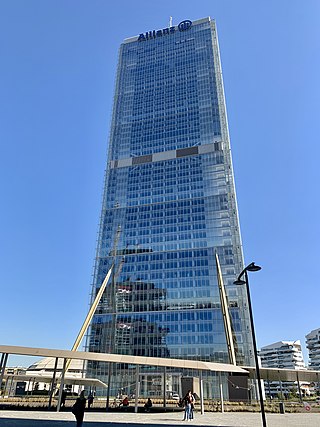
(282, 354)
(286, 355)
(313, 346)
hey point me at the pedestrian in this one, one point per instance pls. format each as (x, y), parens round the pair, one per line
(148, 405)
(90, 400)
(181, 403)
(63, 399)
(78, 409)
(188, 403)
(125, 403)
(192, 405)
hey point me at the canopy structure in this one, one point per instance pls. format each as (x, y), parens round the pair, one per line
(93, 382)
(68, 355)
(277, 374)
(119, 358)
(271, 374)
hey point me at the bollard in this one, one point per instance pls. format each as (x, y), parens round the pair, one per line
(281, 408)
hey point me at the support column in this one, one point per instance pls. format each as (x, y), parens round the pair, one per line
(164, 387)
(52, 388)
(136, 397)
(221, 393)
(108, 386)
(269, 388)
(1, 361)
(201, 394)
(256, 389)
(32, 385)
(3, 365)
(299, 389)
(61, 384)
(281, 392)
(11, 385)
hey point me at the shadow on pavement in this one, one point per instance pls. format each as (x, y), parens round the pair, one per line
(18, 422)
(37, 423)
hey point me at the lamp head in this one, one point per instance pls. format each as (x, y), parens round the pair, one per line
(239, 282)
(253, 267)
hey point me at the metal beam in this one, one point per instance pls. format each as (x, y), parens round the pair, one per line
(225, 314)
(121, 358)
(275, 374)
(89, 316)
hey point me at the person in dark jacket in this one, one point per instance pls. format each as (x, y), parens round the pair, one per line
(148, 405)
(63, 399)
(78, 409)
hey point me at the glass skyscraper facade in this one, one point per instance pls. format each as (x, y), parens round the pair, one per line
(169, 205)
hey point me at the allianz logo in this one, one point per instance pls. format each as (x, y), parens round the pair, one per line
(183, 26)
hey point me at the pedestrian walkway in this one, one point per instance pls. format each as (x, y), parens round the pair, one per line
(170, 419)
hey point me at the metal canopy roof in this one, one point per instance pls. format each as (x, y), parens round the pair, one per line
(275, 374)
(272, 374)
(47, 379)
(118, 358)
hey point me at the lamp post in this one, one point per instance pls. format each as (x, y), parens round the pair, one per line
(239, 281)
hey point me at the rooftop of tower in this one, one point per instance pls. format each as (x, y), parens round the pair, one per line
(166, 30)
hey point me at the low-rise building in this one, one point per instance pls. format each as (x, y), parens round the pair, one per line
(14, 386)
(37, 378)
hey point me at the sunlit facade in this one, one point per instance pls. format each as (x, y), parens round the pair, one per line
(169, 190)
(283, 355)
(313, 346)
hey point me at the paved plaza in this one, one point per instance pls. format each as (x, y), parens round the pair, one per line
(98, 419)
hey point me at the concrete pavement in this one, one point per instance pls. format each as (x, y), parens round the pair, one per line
(124, 419)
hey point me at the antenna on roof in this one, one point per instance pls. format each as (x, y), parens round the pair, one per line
(170, 21)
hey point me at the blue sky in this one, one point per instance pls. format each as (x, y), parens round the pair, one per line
(58, 62)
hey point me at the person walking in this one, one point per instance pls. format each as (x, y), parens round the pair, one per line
(78, 408)
(188, 410)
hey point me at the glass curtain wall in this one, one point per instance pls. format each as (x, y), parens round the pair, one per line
(169, 193)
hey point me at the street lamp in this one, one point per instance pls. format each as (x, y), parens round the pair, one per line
(252, 267)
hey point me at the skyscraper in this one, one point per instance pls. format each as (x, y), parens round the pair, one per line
(169, 205)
